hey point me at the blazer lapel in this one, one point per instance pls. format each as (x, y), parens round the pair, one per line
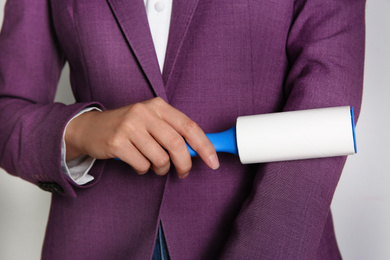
(131, 16)
(182, 13)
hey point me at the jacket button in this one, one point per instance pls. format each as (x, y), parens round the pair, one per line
(50, 187)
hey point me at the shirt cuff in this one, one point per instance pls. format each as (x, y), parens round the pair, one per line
(78, 168)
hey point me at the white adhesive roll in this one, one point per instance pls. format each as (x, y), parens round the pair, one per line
(294, 135)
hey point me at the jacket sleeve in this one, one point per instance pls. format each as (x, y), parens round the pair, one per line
(285, 214)
(31, 124)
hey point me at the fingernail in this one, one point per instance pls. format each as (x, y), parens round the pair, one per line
(213, 161)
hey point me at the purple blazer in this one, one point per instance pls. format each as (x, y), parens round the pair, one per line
(224, 59)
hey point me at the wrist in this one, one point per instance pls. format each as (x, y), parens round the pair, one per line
(74, 134)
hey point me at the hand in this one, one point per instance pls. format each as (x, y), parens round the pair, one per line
(145, 135)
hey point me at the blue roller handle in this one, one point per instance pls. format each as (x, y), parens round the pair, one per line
(223, 142)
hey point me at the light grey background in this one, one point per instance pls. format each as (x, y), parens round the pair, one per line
(361, 205)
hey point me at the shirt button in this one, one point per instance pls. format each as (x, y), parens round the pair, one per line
(159, 7)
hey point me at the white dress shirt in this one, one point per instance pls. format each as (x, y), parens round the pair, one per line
(159, 18)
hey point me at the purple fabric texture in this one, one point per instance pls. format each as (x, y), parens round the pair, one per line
(224, 59)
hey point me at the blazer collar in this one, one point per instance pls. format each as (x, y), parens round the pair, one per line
(131, 17)
(182, 13)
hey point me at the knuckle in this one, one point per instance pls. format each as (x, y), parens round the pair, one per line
(128, 126)
(137, 109)
(159, 104)
(162, 161)
(139, 112)
(114, 143)
(142, 168)
(191, 126)
(186, 168)
(176, 143)
(158, 101)
(160, 171)
(183, 169)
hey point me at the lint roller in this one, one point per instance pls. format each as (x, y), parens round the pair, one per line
(293, 135)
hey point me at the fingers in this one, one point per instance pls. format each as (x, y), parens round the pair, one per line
(175, 145)
(192, 133)
(137, 160)
(169, 127)
(197, 139)
(158, 158)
